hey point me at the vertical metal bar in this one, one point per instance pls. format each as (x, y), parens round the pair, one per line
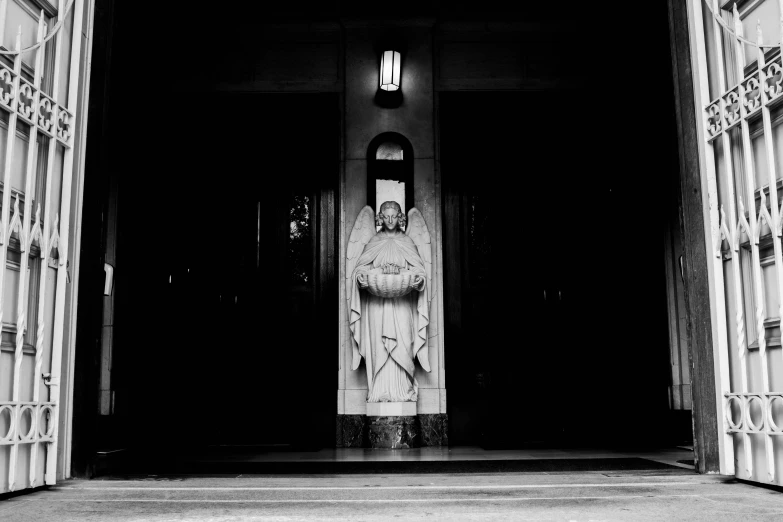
(750, 181)
(6, 233)
(739, 47)
(65, 208)
(774, 229)
(46, 234)
(733, 231)
(30, 184)
(3, 12)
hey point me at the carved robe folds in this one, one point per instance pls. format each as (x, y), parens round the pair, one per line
(389, 333)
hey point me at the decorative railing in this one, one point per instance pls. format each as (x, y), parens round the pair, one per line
(31, 228)
(746, 222)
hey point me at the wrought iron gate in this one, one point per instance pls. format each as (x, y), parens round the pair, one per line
(39, 87)
(740, 84)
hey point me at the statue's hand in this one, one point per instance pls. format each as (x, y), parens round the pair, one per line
(362, 281)
(418, 282)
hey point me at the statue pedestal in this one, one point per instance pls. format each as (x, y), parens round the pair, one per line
(393, 425)
(391, 409)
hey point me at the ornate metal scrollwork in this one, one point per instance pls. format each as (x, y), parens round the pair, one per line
(748, 423)
(54, 239)
(751, 98)
(714, 120)
(26, 102)
(64, 124)
(35, 231)
(731, 107)
(773, 80)
(771, 410)
(45, 114)
(6, 86)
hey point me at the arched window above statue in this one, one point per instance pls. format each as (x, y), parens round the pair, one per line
(390, 171)
(390, 151)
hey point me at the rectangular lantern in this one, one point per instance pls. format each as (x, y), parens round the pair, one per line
(390, 70)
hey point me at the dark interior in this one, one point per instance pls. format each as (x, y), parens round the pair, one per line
(222, 305)
(555, 290)
(555, 203)
(224, 310)
(557, 193)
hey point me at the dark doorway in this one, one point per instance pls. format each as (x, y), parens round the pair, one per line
(225, 284)
(221, 333)
(555, 291)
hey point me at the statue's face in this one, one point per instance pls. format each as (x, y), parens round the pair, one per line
(390, 219)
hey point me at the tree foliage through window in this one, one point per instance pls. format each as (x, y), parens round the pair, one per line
(300, 241)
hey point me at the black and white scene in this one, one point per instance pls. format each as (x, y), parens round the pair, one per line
(412, 260)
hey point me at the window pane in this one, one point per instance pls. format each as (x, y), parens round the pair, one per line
(389, 151)
(300, 247)
(22, 14)
(389, 190)
(766, 13)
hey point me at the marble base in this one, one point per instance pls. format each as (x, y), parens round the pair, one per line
(434, 429)
(393, 432)
(351, 431)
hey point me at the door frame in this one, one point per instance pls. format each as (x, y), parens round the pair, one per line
(712, 447)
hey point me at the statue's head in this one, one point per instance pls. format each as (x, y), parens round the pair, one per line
(390, 216)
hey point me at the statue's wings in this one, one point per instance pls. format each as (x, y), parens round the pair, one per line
(362, 232)
(417, 231)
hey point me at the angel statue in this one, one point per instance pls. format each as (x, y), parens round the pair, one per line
(389, 275)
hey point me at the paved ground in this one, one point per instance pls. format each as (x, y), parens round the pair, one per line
(653, 495)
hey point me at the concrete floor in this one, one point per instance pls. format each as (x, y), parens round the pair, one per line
(675, 493)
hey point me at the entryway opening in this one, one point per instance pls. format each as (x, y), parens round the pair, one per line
(556, 305)
(225, 304)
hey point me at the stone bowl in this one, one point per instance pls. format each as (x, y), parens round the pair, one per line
(389, 285)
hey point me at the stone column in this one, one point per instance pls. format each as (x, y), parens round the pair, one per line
(414, 119)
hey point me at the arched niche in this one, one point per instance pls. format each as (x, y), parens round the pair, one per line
(390, 171)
